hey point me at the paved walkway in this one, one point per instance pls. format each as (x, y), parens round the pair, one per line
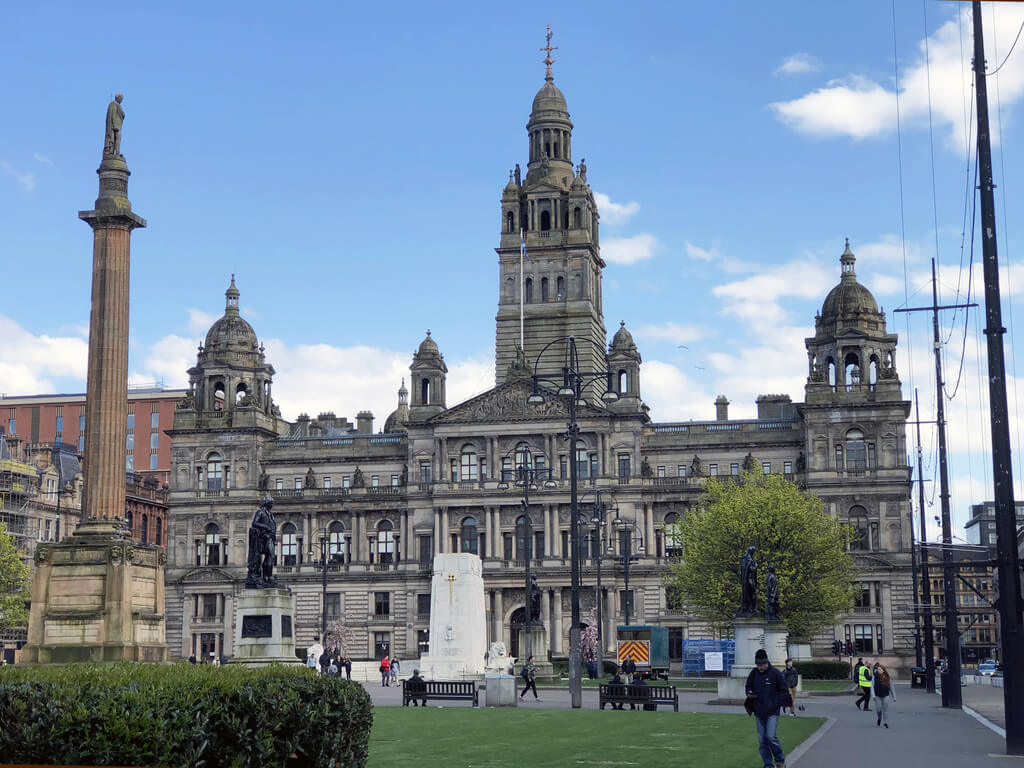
(987, 701)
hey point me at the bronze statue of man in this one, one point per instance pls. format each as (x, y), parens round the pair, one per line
(115, 119)
(534, 612)
(262, 544)
(772, 611)
(748, 584)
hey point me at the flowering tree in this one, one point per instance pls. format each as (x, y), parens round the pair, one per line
(588, 637)
(339, 638)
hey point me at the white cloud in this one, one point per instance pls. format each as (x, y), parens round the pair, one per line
(199, 322)
(25, 179)
(42, 159)
(29, 364)
(859, 107)
(671, 332)
(698, 253)
(614, 214)
(756, 298)
(673, 395)
(629, 250)
(798, 64)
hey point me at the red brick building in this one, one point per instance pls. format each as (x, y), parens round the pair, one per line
(61, 419)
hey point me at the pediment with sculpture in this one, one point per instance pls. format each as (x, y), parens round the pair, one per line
(507, 402)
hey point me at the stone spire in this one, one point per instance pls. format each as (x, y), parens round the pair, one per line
(231, 295)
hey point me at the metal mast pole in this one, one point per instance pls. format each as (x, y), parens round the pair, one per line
(926, 583)
(917, 603)
(1002, 470)
(597, 543)
(575, 677)
(951, 694)
(527, 537)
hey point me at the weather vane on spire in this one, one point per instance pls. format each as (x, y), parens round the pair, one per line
(548, 60)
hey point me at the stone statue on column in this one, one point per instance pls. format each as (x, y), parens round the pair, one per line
(115, 119)
(262, 545)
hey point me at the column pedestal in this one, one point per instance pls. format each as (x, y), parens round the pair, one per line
(539, 649)
(264, 630)
(750, 637)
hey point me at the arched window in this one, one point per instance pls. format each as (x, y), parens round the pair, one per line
(582, 463)
(289, 545)
(521, 538)
(545, 221)
(385, 542)
(623, 382)
(510, 224)
(577, 217)
(468, 464)
(336, 542)
(470, 536)
(856, 453)
(212, 542)
(851, 367)
(831, 372)
(240, 391)
(158, 534)
(218, 396)
(858, 519)
(673, 538)
(214, 472)
(425, 391)
(560, 287)
(144, 534)
(873, 371)
(529, 290)
(543, 289)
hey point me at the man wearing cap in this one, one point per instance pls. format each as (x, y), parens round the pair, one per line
(766, 694)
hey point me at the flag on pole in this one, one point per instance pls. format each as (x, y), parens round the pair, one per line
(522, 256)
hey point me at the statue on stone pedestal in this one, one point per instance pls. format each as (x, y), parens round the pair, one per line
(748, 584)
(262, 543)
(771, 597)
(115, 118)
(534, 617)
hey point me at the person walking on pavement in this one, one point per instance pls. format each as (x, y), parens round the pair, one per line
(766, 694)
(863, 676)
(348, 668)
(792, 677)
(396, 667)
(881, 689)
(628, 669)
(325, 662)
(385, 671)
(529, 675)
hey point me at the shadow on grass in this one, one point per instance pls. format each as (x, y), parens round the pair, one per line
(458, 737)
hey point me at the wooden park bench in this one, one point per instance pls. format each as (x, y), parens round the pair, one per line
(650, 695)
(449, 690)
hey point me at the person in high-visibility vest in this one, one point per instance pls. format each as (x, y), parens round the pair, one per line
(864, 683)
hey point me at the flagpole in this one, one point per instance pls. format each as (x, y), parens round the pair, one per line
(522, 249)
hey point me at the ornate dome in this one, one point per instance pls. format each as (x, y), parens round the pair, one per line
(849, 297)
(231, 329)
(549, 99)
(428, 346)
(623, 339)
(400, 416)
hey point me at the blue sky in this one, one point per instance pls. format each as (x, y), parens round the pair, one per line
(346, 164)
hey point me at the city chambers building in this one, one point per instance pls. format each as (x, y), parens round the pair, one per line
(361, 513)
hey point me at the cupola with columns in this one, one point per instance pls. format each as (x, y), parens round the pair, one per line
(428, 372)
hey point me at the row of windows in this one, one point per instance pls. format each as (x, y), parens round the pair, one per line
(12, 425)
(156, 535)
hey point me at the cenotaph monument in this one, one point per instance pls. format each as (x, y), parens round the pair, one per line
(263, 631)
(97, 595)
(458, 631)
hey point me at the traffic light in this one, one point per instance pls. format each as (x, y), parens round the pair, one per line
(837, 648)
(849, 648)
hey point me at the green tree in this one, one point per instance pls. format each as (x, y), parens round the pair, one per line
(14, 592)
(790, 530)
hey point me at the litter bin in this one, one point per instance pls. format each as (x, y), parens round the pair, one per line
(917, 677)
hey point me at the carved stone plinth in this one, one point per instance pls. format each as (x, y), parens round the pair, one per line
(264, 632)
(97, 598)
(538, 646)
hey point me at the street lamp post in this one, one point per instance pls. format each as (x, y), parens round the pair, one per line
(571, 387)
(627, 557)
(527, 475)
(597, 546)
(322, 533)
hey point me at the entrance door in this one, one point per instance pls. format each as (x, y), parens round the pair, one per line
(207, 645)
(515, 627)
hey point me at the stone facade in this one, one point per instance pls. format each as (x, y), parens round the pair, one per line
(374, 509)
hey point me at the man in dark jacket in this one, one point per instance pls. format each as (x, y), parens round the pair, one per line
(792, 680)
(325, 662)
(628, 669)
(766, 689)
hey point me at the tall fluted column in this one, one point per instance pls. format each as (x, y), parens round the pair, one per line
(106, 399)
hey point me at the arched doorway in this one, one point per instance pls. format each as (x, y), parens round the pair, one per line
(515, 626)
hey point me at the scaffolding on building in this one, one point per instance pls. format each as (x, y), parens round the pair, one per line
(18, 487)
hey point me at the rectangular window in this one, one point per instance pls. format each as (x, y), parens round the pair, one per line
(60, 424)
(624, 465)
(381, 644)
(424, 471)
(279, 483)
(199, 551)
(563, 467)
(131, 422)
(593, 465)
(713, 470)
(453, 465)
(787, 467)
(626, 601)
(394, 481)
(766, 467)
(333, 605)
(839, 458)
(423, 604)
(298, 483)
(374, 481)
(153, 460)
(863, 638)
(327, 481)
(47, 536)
(681, 470)
(381, 603)
(582, 463)
(12, 426)
(507, 546)
(538, 545)
(154, 439)
(871, 455)
(661, 471)
(81, 423)
(565, 543)
(130, 442)
(154, 419)
(734, 469)
(346, 481)
(129, 462)
(81, 443)
(423, 641)
(426, 549)
(483, 470)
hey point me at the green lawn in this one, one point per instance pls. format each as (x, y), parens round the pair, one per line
(709, 684)
(825, 685)
(461, 737)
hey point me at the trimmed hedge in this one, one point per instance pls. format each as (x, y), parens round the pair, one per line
(823, 670)
(182, 714)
